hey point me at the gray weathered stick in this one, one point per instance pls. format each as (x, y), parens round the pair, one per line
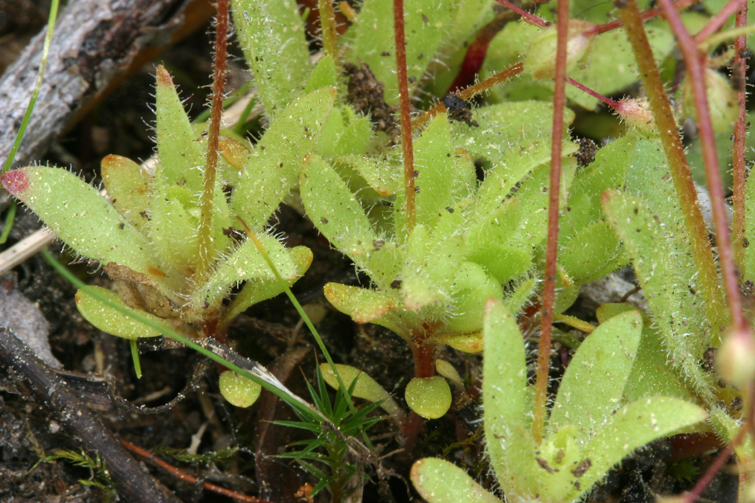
(94, 41)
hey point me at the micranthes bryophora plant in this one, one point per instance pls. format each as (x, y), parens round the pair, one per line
(443, 211)
(435, 240)
(170, 239)
(590, 429)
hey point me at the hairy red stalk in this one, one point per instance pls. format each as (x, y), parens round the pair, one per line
(188, 478)
(718, 463)
(328, 27)
(672, 145)
(530, 18)
(739, 74)
(695, 63)
(470, 93)
(549, 289)
(213, 135)
(719, 19)
(648, 14)
(611, 103)
(724, 455)
(477, 50)
(406, 119)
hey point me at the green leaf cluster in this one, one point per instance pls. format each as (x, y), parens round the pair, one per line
(591, 426)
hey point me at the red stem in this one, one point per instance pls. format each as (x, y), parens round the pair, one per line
(695, 63)
(549, 289)
(724, 455)
(477, 50)
(406, 119)
(611, 103)
(739, 73)
(530, 18)
(207, 205)
(188, 478)
(470, 92)
(719, 19)
(648, 14)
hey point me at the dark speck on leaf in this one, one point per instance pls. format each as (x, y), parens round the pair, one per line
(449, 209)
(458, 110)
(324, 220)
(396, 283)
(424, 19)
(582, 467)
(121, 225)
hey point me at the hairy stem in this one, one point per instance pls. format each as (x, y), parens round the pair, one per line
(608, 101)
(478, 49)
(648, 14)
(406, 119)
(695, 63)
(549, 289)
(672, 146)
(470, 93)
(739, 74)
(719, 19)
(526, 16)
(211, 165)
(328, 27)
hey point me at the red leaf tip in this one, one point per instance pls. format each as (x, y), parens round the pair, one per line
(163, 77)
(15, 182)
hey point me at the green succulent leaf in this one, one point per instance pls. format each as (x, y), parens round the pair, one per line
(436, 180)
(115, 322)
(430, 265)
(274, 165)
(439, 481)
(129, 189)
(593, 252)
(340, 218)
(507, 402)
(272, 37)
(521, 295)
(180, 156)
(80, 217)
(365, 387)
(664, 275)
(608, 171)
(243, 264)
(362, 304)
(472, 287)
(651, 375)
(383, 177)
(258, 289)
(631, 427)
(430, 397)
(424, 26)
(593, 385)
(323, 75)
